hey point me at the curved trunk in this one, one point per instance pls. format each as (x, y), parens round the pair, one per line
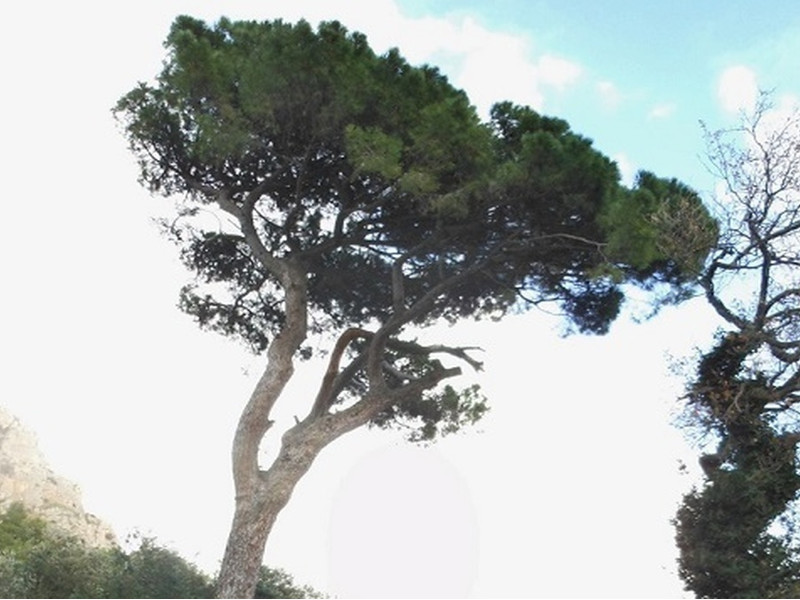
(257, 506)
(261, 495)
(255, 514)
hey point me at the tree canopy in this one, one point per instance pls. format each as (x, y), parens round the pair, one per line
(324, 189)
(363, 168)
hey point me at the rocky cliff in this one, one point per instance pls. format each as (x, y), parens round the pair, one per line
(25, 477)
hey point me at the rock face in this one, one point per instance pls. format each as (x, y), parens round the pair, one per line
(25, 477)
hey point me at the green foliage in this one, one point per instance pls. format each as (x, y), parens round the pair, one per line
(13, 577)
(435, 414)
(660, 223)
(378, 183)
(19, 530)
(63, 567)
(372, 151)
(331, 127)
(723, 529)
(36, 562)
(726, 558)
(152, 571)
(360, 160)
(276, 583)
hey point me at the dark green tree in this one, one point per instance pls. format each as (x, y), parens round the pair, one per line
(733, 533)
(276, 583)
(19, 534)
(20, 530)
(324, 190)
(39, 562)
(153, 571)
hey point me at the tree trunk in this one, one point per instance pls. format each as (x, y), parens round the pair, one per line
(257, 506)
(244, 552)
(261, 495)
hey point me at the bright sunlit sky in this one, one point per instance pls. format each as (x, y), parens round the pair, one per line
(567, 487)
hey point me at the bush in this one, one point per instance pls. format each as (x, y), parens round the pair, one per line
(38, 562)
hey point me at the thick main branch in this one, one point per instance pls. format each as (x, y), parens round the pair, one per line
(254, 421)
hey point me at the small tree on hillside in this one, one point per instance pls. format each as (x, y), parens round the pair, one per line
(748, 384)
(357, 197)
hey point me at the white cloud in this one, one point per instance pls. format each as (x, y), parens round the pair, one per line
(489, 65)
(661, 111)
(493, 66)
(627, 170)
(737, 89)
(784, 110)
(610, 96)
(558, 72)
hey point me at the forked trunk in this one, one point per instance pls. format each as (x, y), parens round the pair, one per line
(257, 506)
(261, 495)
(257, 509)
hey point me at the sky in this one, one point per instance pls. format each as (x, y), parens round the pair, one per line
(567, 487)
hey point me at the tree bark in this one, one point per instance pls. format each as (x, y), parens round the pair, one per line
(261, 495)
(256, 512)
(258, 507)
(258, 504)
